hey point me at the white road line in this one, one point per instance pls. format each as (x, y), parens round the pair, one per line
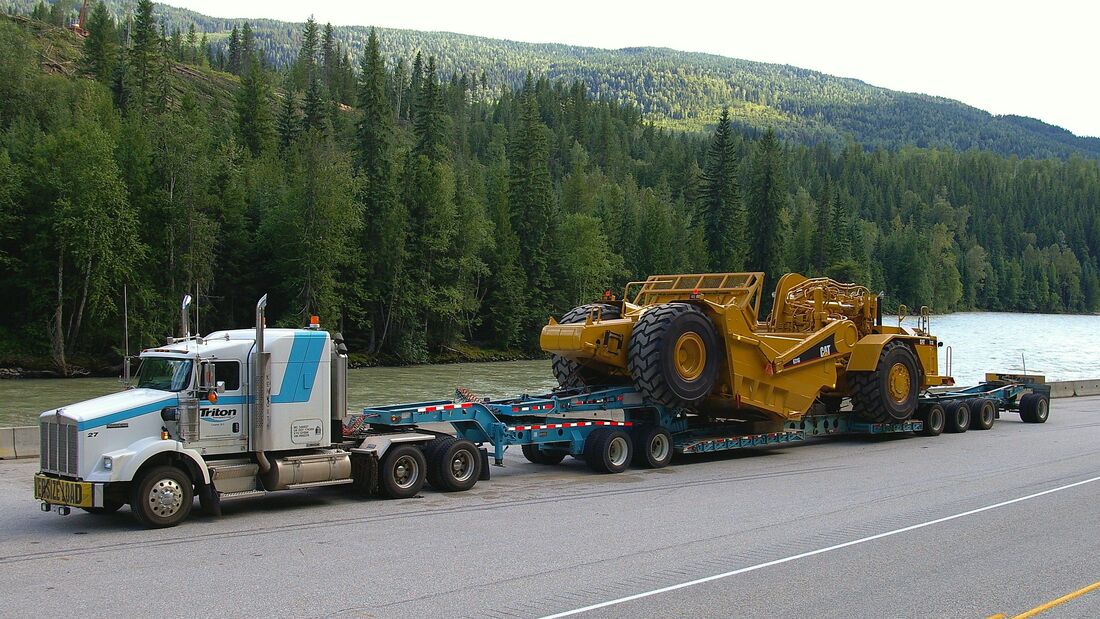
(862, 540)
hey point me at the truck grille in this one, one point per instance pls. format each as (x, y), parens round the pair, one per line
(58, 448)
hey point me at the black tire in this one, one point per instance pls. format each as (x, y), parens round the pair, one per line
(162, 497)
(983, 412)
(607, 450)
(109, 507)
(454, 465)
(539, 456)
(569, 373)
(934, 419)
(655, 344)
(871, 392)
(1035, 408)
(402, 471)
(652, 447)
(956, 417)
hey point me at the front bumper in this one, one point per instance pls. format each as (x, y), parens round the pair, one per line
(54, 490)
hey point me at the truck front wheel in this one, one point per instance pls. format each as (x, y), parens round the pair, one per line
(162, 497)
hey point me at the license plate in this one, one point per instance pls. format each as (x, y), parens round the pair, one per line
(62, 492)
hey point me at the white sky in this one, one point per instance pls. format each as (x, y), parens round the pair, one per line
(1039, 58)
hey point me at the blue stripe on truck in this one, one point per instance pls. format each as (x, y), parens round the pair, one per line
(301, 368)
(129, 413)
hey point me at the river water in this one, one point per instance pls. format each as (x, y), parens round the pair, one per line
(1059, 346)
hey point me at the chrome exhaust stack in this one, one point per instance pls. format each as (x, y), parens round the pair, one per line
(261, 407)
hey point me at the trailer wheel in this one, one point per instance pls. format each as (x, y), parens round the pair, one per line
(454, 465)
(607, 450)
(957, 416)
(568, 372)
(983, 413)
(673, 355)
(539, 456)
(934, 419)
(401, 474)
(652, 447)
(889, 393)
(162, 497)
(1034, 408)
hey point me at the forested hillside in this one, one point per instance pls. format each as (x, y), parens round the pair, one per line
(671, 88)
(419, 215)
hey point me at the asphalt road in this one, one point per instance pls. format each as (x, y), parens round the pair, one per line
(956, 526)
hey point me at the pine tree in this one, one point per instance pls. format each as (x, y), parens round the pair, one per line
(330, 61)
(233, 62)
(144, 58)
(429, 120)
(101, 45)
(315, 109)
(305, 68)
(824, 220)
(248, 49)
(254, 117)
(289, 123)
(767, 202)
(722, 213)
(191, 54)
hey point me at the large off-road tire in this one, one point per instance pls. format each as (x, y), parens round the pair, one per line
(454, 464)
(162, 497)
(652, 447)
(1034, 408)
(889, 393)
(933, 417)
(539, 456)
(983, 412)
(402, 471)
(674, 354)
(569, 373)
(957, 417)
(607, 450)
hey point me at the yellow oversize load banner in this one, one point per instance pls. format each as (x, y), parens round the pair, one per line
(62, 492)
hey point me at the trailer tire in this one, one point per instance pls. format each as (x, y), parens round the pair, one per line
(401, 474)
(652, 447)
(889, 393)
(674, 354)
(983, 412)
(957, 416)
(934, 419)
(569, 373)
(454, 465)
(1034, 408)
(536, 455)
(607, 450)
(162, 497)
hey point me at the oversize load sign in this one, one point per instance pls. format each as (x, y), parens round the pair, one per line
(62, 492)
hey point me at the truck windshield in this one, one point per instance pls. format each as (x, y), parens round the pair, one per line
(164, 374)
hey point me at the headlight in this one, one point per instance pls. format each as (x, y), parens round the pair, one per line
(107, 462)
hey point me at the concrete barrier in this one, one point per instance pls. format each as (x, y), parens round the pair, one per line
(1062, 389)
(7, 443)
(1086, 387)
(26, 441)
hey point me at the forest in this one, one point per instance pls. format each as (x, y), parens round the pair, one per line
(424, 212)
(674, 89)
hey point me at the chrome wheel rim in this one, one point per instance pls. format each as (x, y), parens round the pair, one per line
(165, 498)
(462, 466)
(405, 472)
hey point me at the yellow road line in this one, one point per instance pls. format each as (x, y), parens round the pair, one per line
(1042, 608)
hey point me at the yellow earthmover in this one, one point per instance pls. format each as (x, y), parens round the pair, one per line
(696, 342)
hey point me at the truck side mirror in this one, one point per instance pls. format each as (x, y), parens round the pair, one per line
(219, 386)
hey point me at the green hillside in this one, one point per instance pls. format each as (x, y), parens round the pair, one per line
(683, 89)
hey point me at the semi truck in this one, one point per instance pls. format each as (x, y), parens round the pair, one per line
(242, 413)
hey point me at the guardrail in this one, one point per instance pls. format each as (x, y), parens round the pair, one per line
(22, 441)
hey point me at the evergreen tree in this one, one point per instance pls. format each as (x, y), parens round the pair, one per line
(289, 123)
(144, 58)
(722, 213)
(100, 49)
(824, 220)
(429, 120)
(767, 204)
(315, 109)
(191, 53)
(248, 49)
(305, 68)
(233, 60)
(254, 116)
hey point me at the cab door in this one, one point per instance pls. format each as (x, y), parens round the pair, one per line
(223, 416)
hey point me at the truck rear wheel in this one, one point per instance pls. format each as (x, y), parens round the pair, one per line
(454, 465)
(607, 450)
(983, 412)
(957, 415)
(536, 455)
(674, 354)
(162, 497)
(569, 373)
(1034, 408)
(889, 393)
(401, 474)
(933, 417)
(652, 447)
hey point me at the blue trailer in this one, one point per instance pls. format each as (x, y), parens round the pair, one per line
(978, 407)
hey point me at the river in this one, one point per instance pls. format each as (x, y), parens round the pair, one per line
(1059, 346)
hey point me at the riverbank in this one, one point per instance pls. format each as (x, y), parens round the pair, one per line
(32, 366)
